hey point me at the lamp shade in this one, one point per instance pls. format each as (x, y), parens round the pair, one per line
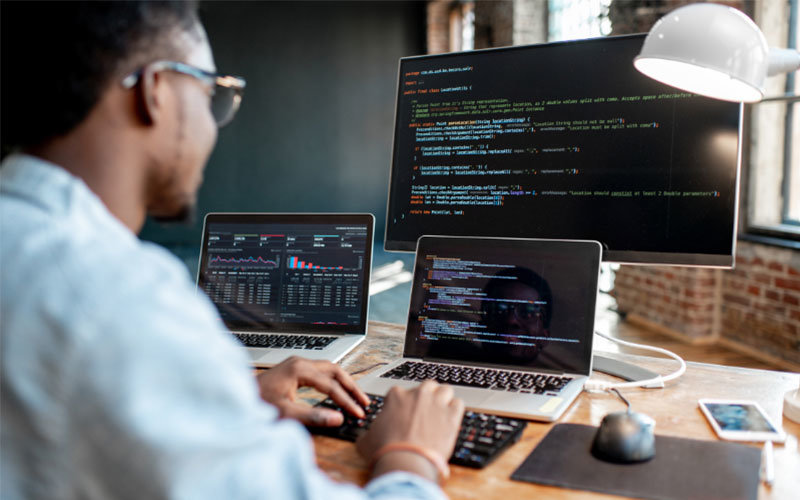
(707, 49)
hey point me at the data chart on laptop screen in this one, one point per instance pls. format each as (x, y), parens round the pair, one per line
(286, 274)
(563, 140)
(504, 302)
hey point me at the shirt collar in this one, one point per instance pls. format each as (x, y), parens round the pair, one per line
(51, 188)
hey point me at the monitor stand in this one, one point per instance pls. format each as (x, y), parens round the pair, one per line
(623, 370)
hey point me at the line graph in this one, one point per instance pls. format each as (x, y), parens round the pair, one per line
(257, 261)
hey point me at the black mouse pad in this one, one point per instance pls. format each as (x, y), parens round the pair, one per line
(682, 468)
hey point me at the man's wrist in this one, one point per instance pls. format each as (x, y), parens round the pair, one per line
(407, 461)
(432, 457)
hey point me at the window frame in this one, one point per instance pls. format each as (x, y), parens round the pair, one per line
(790, 110)
(786, 232)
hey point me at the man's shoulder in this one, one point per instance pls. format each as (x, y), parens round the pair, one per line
(72, 248)
(63, 267)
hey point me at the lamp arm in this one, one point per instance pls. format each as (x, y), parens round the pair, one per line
(783, 61)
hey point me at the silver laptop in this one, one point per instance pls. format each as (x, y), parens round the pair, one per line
(289, 284)
(507, 322)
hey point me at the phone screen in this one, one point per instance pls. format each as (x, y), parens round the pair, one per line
(739, 417)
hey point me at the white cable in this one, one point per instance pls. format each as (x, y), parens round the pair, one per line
(601, 385)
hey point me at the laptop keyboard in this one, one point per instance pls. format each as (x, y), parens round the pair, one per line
(310, 342)
(481, 438)
(486, 378)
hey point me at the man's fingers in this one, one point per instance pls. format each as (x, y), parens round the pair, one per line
(350, 385)
(427, 387)
(343, 399)
(457, 405)
(307, 415)
(444, 393)
(329, 386)
(345, 380)
(324, 377)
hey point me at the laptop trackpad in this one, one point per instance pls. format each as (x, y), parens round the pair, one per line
(523, 403)
(475, 398)
(271, 356)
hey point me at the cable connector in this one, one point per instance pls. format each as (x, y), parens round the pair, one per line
(596, 386)
(604, 386)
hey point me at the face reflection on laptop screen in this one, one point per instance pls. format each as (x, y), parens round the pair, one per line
(492, 303)
(272, 275)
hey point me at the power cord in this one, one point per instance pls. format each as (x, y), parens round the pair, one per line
(602, 386)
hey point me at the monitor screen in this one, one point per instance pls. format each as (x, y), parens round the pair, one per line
(563, 140)
(288, 272)
(521, 303)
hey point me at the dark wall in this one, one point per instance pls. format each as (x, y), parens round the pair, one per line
(315, 129)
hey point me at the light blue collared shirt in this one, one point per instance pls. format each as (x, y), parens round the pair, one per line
(116, 379)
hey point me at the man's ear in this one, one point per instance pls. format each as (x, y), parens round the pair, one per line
(150, 98)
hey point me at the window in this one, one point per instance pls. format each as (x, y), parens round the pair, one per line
(462, 26)
(791, 204)
(574, 19)
(774, 160)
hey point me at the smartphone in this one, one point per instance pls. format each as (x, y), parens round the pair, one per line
(739, 420)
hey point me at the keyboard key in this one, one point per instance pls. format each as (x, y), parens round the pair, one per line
(481, 438)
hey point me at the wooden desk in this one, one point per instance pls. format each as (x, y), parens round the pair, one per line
(673, 408)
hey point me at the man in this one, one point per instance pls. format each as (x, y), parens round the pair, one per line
(116, 380)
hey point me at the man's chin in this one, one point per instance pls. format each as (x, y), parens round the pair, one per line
(186, 216)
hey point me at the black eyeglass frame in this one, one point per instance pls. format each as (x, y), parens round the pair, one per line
(231, 83)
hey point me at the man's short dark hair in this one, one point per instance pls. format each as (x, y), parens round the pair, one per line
(58, 57)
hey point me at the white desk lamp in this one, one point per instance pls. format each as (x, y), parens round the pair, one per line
(713, 50)
(718, 52)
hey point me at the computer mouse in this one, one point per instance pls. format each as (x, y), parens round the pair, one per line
(625, 437)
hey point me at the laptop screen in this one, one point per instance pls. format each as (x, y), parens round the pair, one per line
(518, 303)
(288, 272)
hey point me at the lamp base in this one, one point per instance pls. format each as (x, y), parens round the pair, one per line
(791, 405)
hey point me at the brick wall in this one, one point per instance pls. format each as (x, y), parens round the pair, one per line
(755, 307)
(760, 304)
(494, 24)
(438, 26)
(681, 299)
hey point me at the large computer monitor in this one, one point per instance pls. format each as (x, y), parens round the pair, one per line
(563, 140)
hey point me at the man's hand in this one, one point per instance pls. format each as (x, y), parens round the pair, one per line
(428, 416)
(279, 387)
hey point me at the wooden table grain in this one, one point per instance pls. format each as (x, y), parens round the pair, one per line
(674, 409)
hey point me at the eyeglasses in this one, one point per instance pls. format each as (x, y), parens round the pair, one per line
(226, 91)
(523, 311)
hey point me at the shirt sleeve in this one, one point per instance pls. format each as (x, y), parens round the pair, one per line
(165, 406)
